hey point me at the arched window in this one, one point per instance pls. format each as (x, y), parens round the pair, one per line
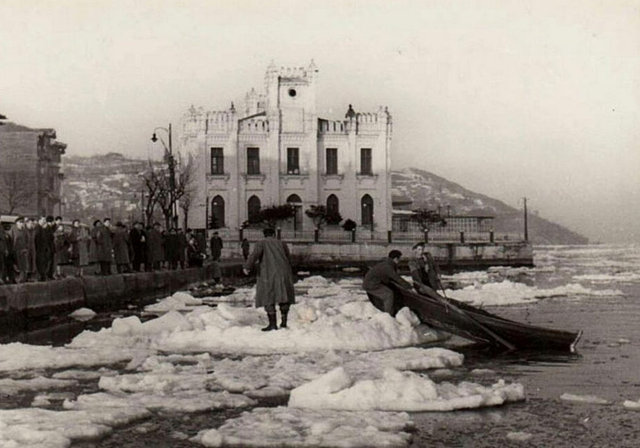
(217, 212)
(333, 205)
(366, 209)
(253, 208)
(295, 200)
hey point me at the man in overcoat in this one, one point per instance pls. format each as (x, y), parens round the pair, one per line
(424, 271)
(274, 283)
(20, 248)
(121, 248)
(138, 238)
(216, 246)
(379, 279)
(104, 248)
(4, 254)
(44, 245)
(30, 225)
(155, 249)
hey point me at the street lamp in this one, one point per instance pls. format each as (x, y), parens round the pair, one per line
(172, 172)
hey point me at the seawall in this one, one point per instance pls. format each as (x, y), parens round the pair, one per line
(37, 299)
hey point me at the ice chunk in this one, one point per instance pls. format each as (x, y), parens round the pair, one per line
(179, 301)
(398, 391)
(592, 399)
(83, 314)
(10, 386)
(288, 427)
(519, 436)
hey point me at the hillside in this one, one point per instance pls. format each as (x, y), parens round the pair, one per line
(429, 190)
(109, 184)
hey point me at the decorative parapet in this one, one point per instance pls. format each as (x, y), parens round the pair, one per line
(253, 125)
(220, 122)
(332, 126)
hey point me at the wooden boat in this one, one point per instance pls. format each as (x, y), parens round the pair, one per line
(481, 326)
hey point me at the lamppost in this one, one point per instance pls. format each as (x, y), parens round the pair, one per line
(172, 172)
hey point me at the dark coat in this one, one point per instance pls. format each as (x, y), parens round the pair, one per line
(275, 279)
(425, 272)
(245, 247)
(182, 246)
(172, 247)
(138, 239)
(383, 273)
(20, 244)
(61, 245)
(104, 245)
(194, 255)
(31, 238)
(45, 247)
(216, 247)
(79, 241)
(155, 249)
(121, 245)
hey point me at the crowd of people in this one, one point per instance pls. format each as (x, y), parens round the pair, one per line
(36, 249)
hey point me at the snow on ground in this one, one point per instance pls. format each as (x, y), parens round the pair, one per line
(398, 391)
(508, 292)
(289, 427)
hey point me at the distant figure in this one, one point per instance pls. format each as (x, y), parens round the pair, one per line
(194, 255)
(61, 247)
(44, 245)
(121, 248)
(20, 242)
(172, 248)
(79, 247)
(275, 280)
(182, 248)
(102, 237)
(216, 247)
(155, 250)
(4, 254)
(378, 280)
(30, 225)
(424, 271)
(245, 246)
(138, 240)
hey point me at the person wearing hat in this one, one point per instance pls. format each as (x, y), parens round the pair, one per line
(379, 280)
(20, 243)
(79, 247)
(30, 225)
(102, 237)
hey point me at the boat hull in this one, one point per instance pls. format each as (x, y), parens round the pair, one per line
(481, 326)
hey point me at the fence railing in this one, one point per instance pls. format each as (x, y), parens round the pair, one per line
(364, 235)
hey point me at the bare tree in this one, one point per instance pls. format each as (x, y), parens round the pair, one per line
(186, 187)
(157, 181)
(16, 190)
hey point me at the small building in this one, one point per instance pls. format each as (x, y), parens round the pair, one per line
(276, 150)
(30, 175)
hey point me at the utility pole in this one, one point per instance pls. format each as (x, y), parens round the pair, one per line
(526, 226)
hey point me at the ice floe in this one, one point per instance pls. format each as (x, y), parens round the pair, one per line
(179, 301)
(83, 314)
(508, 292)
(591, 399)
(398, 391)
(289, 427)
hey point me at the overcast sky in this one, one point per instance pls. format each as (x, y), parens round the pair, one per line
(508, 98)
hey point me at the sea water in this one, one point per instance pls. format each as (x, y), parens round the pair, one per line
(187, 376)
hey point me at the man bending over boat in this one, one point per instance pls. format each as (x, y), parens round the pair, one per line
(424, 271)
(378, 280)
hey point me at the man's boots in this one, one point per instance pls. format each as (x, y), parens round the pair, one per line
(283, 324)
(272, 322)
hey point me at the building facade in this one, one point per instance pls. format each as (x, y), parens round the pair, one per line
(30, 175)
(277, 150)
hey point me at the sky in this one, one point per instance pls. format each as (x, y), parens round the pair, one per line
(507, 98)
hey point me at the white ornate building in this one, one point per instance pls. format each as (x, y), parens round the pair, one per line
(277, 150)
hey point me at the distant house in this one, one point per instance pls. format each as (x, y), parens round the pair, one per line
(30, 175)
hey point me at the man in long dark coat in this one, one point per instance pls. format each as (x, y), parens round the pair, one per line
(121, 248)
(102, 238)
(379, 279)
(182, 248)
(30, 225)
(4, 254)
(275, 280)
(138, 239)
(44, 245)
(20, 248)
(216, 246)
(155, 250)
(172, 248)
